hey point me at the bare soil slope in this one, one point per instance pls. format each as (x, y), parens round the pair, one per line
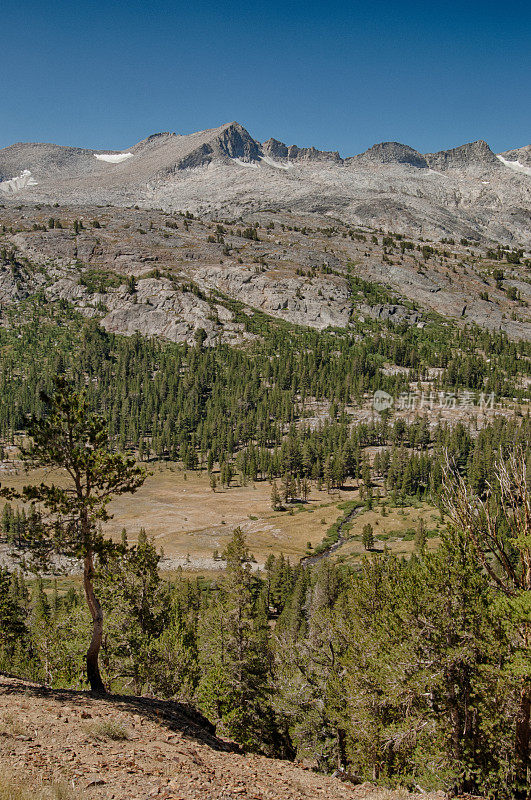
(130, 748)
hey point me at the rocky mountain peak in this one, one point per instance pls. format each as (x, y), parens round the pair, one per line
(392, 153)
(153, 141)
(520, 154)
(473, 154)
(275, 149)
(312, 154)
(43, 159)
(230, 141)
(235, 142)
(158, 136)
(278, 150)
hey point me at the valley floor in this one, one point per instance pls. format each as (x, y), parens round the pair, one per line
(189, 521)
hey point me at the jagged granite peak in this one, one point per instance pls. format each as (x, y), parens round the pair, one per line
(275, 149)
(391, 153)
(280, 151)
(236, 142)
(230, 141)
(473, 154)
(312, 154)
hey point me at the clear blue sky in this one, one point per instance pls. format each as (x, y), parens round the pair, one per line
(337, 75)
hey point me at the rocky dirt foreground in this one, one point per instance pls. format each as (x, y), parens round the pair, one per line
(69, 745)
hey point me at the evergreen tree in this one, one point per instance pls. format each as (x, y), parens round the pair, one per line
(72, 438)
(135, 600)
(307, 655)
(498, 529)
(12, 620)
(174, 668)
(234, 688)
(275, 498)
(367, 537)
(420, 537)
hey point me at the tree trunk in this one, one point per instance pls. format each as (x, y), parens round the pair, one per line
(93, 670)
(522, 740)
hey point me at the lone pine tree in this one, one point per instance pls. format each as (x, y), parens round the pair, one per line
(367, 537)
(72, 439)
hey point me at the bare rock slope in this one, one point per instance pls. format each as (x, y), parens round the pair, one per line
(168, 275)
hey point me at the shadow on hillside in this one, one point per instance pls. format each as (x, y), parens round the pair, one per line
(174, 716)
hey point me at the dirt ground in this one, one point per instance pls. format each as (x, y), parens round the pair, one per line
(65, 744)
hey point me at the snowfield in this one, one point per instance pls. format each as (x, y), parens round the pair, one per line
(516, 166)
(22, 181)
(112, 158)
(277, 164)
(263, 160)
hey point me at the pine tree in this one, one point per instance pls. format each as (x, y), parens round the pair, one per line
(275, 498)
(73, 438)
(12, 625)
(234, 687)
(135, 600)
(367, 537)
(498, 528)
(421, 537)
(307, 655)
(174, 666)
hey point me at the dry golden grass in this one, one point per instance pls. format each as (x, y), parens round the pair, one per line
(189, 521)
(10, 725)
(187, 518)
(107, 729)
(13, 787)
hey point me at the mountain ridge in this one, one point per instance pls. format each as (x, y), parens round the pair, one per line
(464, 191)
(472, 146)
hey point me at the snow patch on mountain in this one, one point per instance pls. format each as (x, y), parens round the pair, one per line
(516, 166)
(22, 181)
(112, 158)
(277, 164)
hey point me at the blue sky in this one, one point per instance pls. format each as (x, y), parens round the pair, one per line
(334, 75)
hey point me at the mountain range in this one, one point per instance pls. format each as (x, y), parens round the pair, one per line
(468, 191)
